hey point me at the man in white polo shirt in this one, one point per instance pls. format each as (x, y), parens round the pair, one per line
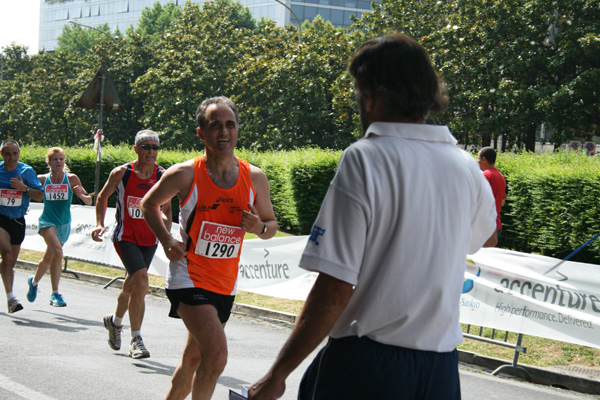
(390, 242)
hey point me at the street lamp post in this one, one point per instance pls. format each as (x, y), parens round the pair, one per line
(297, 20)
(74, 21)
(102, 76)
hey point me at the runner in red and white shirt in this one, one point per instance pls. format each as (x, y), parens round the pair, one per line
(133, 240)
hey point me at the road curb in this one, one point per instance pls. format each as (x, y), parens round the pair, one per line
(542, 376)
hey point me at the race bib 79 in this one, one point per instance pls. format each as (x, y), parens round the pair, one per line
(11, 197)
(219, 241)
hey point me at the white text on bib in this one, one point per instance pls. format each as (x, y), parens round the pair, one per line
(133, 207)
(219, 241)
(10, 197)
(56, 192)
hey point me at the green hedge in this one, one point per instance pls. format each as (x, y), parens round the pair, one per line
(551, 207)
(552, 203)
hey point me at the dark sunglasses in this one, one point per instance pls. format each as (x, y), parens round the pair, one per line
(154, 147)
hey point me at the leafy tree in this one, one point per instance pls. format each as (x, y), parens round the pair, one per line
(286, 89)
(34, 101)
(196, 58)
(156, 20)
(80, 39)
(573, 39)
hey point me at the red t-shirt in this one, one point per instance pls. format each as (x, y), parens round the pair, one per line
(498, 184)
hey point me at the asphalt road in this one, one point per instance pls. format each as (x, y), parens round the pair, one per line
(49, 353)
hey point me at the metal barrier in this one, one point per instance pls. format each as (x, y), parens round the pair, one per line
(504, 343)
(113, 280)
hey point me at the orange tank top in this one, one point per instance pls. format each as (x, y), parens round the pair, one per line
(215, 236)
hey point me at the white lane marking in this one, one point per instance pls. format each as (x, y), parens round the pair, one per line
(13, 387)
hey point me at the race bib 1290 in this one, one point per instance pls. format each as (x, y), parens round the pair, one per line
(219, 241)
(11, 197)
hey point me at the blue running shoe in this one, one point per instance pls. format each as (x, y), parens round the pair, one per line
(32, 292)
(56, 300)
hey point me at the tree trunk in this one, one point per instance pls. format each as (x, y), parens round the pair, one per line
(530, 138)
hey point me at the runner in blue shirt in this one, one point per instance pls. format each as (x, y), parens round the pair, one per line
(18, 183)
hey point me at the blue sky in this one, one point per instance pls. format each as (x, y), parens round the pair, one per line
(19, 22)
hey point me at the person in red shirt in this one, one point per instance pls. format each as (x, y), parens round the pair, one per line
(133, 240)
(486, 159)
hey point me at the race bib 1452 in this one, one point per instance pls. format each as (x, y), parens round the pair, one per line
(56, 192)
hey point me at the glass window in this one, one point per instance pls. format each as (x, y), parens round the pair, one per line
(61, 15)
(347, 20)
(74, 12)
(364, 5)
(351, 3)
(338, 3)
(310, 13)
(324, 2)
(337, 17)
(325, 13)
(122, 6)
(299, 10)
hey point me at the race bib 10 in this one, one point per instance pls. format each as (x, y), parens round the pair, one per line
(219, 241)
(133, 207)
(55, 192)
(11, 197)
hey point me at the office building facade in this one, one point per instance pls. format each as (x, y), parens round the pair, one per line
(120, 14)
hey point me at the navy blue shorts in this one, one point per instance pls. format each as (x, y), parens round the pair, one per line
(15, 228)
(134, 257)
(198, 297)
(360, 368)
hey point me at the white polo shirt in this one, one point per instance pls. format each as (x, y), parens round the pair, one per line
(404, 209)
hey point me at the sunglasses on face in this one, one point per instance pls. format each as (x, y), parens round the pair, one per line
(154, 147)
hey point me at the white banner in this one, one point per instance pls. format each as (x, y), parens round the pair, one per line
(80, 243)
(503, 289)
(267, 267)
(509, 290)
(270, 267)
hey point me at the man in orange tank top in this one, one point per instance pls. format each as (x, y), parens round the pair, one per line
(221, 198)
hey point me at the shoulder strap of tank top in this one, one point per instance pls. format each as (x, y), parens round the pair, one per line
(127, 173)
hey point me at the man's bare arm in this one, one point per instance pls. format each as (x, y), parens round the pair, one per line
(325, 303)
(116, 175)
(177, 181)
(492, 241)
(253, 221)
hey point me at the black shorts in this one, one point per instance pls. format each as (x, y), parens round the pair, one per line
(379, 371)
(15, 228)
(134, 257)
(197, 297)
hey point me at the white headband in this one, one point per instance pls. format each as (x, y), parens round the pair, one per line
(146, 135)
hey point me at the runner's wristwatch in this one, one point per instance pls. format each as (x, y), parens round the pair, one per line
(264, 229)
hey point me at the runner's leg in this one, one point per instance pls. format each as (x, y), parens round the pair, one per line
(202, 321)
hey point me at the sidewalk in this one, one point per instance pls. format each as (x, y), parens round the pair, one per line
(571, 378)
